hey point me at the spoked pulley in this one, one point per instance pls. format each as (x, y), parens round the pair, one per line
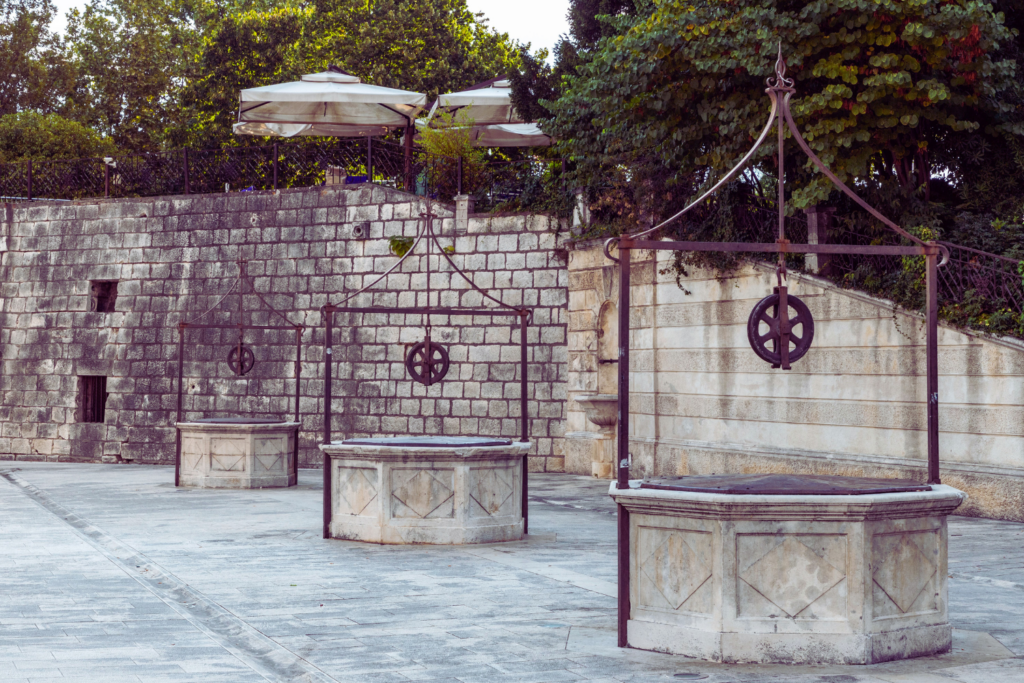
(427, 370)
(765, 329)
(241, 359)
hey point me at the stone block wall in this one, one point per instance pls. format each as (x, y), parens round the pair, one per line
(702, 402)
(175, 257)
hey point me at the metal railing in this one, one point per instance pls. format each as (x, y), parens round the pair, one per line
(269, 167)
(292, 164)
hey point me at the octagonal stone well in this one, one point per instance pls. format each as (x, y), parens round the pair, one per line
(786, 575)
(432, 490)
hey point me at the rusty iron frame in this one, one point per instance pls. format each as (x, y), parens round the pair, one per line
(426, 235)
(779, 90)
(241, 326)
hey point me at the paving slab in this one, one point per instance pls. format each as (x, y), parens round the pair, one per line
(110, 573)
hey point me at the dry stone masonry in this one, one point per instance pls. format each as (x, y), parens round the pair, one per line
(92, 292)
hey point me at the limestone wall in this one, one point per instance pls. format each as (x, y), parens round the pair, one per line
(177, 256)
(702, 402)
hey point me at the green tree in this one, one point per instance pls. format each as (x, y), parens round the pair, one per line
(883, 88)
(240, 50)
(130, 59)
(31, 135)
(35, 74)
(430, 46)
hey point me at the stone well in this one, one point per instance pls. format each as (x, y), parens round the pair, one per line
(788, 568)
(436, 490)
(237, 453)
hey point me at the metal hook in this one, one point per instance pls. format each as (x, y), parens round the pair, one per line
(608, 246)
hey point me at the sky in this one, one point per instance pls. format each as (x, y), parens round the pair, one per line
(538, 22)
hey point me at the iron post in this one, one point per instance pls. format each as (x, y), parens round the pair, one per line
(408, 157)
(177, 437)
(932, 363)
(276, 155)
(328, 333)
(524, 418)
(369, 159)
(622, 452)
(298, 376)
(188, 188)
(106, 180)
(30, 180)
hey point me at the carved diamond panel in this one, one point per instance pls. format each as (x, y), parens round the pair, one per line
(490, 490)
(269, 463)
(903, 567)
(792, 574)
(356, 491)
(674, 569)
(191, 453)
(227, 455)
(271, 445)
(422, 494)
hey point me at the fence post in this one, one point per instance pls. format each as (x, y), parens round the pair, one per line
(188, 189)
(275, 165)
(106, 180)
(460, 175)
(30, 180)
(369, 159)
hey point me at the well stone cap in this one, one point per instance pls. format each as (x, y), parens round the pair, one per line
(425, 447)
(940, 500)
(241, 425)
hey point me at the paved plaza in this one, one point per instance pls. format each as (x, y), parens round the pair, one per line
(109, 574)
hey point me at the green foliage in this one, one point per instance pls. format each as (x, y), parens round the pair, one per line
(243, 49)
(35, 72)
(880, 86)
(30, 135)
(447, 142)
(400, 246)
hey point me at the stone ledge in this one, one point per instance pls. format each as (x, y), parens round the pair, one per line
(992, 492)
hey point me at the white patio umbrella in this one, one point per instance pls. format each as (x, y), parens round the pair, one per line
(495, 121)
(331, 102)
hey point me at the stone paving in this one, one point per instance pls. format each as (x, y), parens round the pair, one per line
(108, 574)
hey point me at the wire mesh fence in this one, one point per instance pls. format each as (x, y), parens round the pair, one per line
(281, 165)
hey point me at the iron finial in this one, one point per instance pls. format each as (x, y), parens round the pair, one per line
(780, 80)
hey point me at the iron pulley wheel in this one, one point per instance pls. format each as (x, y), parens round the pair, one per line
(427, 371)
(248, 359)
(763, 326)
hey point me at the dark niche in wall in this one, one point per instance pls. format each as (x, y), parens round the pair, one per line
(103, 295)
(92, 398)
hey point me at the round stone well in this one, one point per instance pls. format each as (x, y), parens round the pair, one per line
(788, 568)
(237, 453)
(431, 489)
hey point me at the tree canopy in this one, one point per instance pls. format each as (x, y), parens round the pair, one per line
(151, 74)
(885, 90)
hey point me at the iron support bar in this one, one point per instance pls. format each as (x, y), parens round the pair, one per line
(524, 418)
(932, 356)
(106, 180)
(298, 377)
(177, 435)
(328, 333)
(622, 459)
(369, 159)
(408, 158)
(328, 502)
(188, 186)
(30, 180)
(422, 311)
(197, 326)
(276, 155)
(775, 247)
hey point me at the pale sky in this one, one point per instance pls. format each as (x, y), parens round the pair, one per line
(538, 22)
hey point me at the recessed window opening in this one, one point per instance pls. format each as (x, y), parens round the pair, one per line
(92, 398)
(104, 293)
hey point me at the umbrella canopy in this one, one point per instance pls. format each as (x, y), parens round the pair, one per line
(328, 103)
(495, 121)
(491, 103)
(510, 135)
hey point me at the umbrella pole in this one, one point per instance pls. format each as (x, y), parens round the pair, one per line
(408, 158)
